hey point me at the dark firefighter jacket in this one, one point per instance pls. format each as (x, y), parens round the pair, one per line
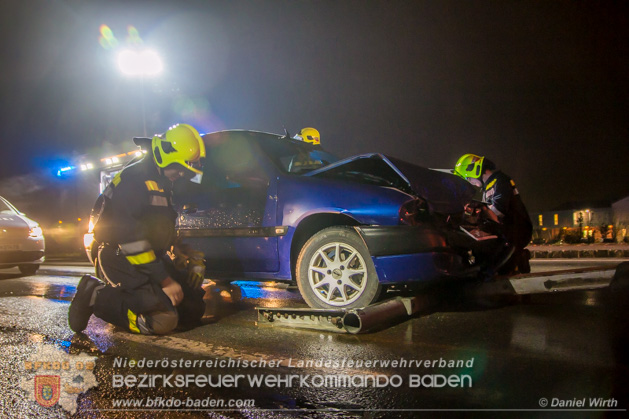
(504, 200)
(135, 213)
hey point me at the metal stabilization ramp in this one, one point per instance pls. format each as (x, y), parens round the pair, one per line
(356, 320)
(547, 282)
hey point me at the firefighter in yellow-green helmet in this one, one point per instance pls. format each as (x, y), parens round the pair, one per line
(180, 145)
(469, 168)
(134, 224)
(505, 202)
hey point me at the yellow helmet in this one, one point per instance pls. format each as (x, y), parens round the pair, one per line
(180, 144)
(310, 135)
(469, 166)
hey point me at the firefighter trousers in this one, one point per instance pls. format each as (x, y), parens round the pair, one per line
(130, 300)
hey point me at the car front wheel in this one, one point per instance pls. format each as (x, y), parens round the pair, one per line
(28, 269)
(335, 270)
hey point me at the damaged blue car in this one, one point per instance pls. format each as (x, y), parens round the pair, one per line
(270, 207)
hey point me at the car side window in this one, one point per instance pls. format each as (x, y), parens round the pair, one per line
(233, 189)
(5, 209)
(232, 164)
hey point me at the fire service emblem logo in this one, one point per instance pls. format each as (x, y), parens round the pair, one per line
(52, 377)
(47, 389)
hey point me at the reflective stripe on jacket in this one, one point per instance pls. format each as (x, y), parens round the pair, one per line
(136, 214)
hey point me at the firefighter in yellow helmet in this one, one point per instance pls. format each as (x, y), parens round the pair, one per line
(134, 224)
(505, 202)
(310, 135)
(303, 160)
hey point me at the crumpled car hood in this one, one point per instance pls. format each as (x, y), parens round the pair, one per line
(444, 192)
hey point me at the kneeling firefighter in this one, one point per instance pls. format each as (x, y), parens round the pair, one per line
(134, 224)
(506, 205)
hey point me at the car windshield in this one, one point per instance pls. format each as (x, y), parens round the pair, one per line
(294, 156)
(367, 170)
(5, 208)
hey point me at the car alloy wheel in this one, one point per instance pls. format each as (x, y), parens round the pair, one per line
(335, 270)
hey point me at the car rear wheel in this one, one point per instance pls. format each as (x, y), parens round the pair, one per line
(28, 269)
(335, 270)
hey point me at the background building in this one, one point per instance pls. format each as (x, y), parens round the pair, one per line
(576, 222)
(620, 211)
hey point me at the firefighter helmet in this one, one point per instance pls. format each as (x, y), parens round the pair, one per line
(469, 166)
(180, 144)
(310, 135)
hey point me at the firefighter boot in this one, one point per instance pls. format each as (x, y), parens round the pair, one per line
(524, 266)
(82, 305)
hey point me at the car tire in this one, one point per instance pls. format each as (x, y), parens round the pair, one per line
(334, 270)
(28, 269)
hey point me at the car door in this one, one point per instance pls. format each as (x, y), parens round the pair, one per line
(230, 215)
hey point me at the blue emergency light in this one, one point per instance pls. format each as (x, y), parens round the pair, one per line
(65, 170)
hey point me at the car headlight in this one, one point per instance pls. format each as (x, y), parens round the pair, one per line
(35, 232)
(88, 238)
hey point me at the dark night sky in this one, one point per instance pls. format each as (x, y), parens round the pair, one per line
(540, 87)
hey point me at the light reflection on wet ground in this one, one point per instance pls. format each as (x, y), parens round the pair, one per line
(569, 346)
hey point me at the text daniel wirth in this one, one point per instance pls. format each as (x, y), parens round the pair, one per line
(598, 402)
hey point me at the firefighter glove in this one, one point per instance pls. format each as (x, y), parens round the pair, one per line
(173, 290)
(180, 259)
(196, 269)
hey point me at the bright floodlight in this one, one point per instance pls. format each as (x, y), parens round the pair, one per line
(139, 63)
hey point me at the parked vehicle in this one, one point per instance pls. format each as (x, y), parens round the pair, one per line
(21, 240)
(274, 208)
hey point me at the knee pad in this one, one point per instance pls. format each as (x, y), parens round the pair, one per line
(161, 322)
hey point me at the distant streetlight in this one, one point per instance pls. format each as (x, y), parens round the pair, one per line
(140, 63)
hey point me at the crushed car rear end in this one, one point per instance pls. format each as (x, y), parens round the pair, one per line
(438, 232)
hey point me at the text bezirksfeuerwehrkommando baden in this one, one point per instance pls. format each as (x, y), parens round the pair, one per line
(139, 374)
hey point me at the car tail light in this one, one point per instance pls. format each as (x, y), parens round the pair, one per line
(413, 211)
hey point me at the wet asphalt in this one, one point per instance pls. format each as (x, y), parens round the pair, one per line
(516, 354)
